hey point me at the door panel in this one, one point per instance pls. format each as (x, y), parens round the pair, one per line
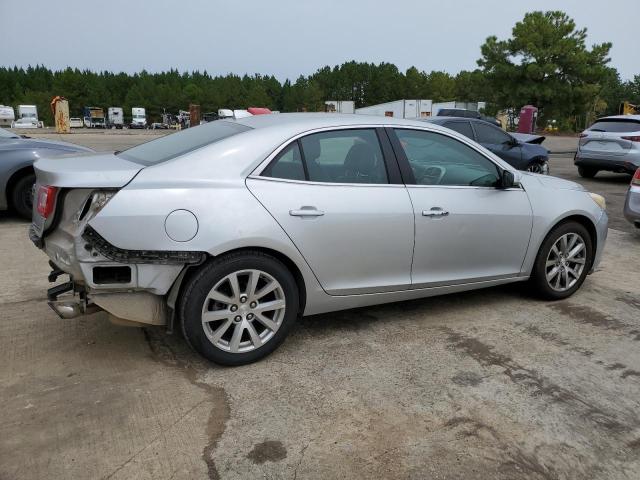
(356, 238)
(468, 234)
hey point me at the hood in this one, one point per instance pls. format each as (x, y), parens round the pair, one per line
(554, 183)
(104, 170)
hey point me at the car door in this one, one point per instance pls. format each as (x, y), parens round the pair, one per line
(499, 142)
(339, 196)
(467, 229)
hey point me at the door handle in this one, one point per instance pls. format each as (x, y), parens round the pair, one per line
(435, 212)
(306, 212)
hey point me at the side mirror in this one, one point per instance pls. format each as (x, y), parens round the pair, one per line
(507, 179)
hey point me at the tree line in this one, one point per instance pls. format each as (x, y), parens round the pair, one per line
(545, 63)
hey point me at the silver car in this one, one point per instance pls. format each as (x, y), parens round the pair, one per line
(632, 201)
(611, 144)
(234, 229)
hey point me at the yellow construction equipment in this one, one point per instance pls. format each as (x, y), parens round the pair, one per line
(627, 108)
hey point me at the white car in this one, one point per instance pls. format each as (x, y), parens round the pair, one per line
(76, 122)
(26, 122)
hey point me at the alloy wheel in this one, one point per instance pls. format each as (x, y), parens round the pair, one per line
(565, 262)
(536, 167)
(243, 311)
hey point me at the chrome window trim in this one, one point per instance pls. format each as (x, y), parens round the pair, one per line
(325, 184)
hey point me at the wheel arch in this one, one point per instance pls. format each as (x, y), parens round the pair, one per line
(176, 290)
(583, 220)
(13, 179)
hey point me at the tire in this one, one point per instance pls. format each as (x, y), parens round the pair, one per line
(256, 340)
(548, 287)
(538, 166)
(587, 172)
(22, 196)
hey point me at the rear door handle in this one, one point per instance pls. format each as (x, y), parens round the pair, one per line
(306, 212)
(435, 212)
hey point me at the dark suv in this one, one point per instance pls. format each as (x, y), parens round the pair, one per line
(518, 154)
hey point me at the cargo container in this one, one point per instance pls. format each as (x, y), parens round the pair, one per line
(399, 109)
(115, 117)
(339, 106)
(7, 116)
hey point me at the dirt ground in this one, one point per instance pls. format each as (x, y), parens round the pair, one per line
(487, 384)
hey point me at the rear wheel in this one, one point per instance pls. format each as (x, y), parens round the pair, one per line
(22, 196)
(238, 308)
(563, 261)
(587, 172)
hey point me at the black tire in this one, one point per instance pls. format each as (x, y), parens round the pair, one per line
(587, 172)
(202, 281)
(538, 276)
(22, 196)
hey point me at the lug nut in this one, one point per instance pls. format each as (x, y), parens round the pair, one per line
(249, 316)
(243, 298)
(253, 304)
(237, 318)
(234, 308)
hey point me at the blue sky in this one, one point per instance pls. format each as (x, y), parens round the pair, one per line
(286, 38)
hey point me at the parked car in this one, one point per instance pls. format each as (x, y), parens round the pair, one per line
(516, 152)
(611, 144)
(26, 122)
(237, 227)
(17, 154)
(632, 201)
(75, 122)
(464, 113)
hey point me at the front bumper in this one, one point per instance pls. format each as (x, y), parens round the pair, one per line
(632, 206)
(602, 229)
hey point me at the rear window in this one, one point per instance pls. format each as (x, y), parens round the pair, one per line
(618, 125)
(179, 143)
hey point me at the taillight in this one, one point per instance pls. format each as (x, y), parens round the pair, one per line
(46, 200)
(636, 178)
(635, 138)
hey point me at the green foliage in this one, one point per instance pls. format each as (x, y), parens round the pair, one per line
(547, 64)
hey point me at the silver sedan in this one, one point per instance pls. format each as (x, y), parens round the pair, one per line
(233, 229)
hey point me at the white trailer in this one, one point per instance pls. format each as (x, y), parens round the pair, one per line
(115, 117)
(339, 106)
(7, 116)
(399, 109)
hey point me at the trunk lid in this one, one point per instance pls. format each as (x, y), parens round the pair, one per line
(100, 170)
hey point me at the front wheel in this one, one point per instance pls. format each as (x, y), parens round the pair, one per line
(22, 196)
(540, 167)
(563, 261)
(238, 308)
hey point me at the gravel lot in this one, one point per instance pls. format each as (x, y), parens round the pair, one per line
(487, 384)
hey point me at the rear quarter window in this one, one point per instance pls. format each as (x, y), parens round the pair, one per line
(179, 143)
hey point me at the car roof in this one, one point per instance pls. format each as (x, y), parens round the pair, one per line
(444, 119)
(300, 122)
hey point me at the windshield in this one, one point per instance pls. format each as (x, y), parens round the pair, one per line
(185, 141)
(7, 134)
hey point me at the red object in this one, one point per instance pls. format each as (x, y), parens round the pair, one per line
(46, 200)
(636, 178)
(258, 111)
(633, 139)
(528, 117)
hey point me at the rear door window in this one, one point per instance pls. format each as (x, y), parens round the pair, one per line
(489, 134)
(461, 127)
